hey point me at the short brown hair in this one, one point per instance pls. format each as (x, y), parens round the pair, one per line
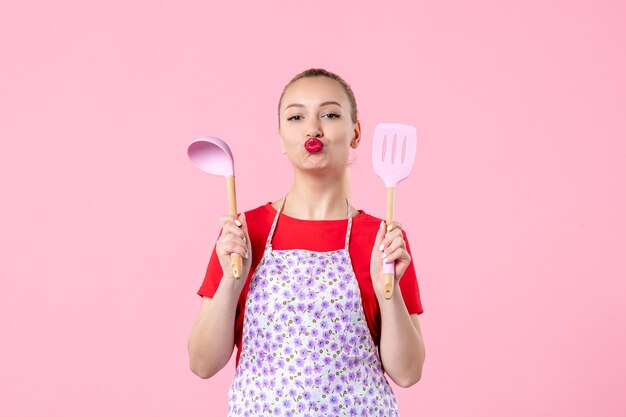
(320, 72)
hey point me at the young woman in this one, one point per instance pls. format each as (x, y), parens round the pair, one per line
(313, 331)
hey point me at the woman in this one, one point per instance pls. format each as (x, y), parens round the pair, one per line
(313, 331)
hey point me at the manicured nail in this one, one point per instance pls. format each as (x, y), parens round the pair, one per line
(237, 222)
(381, 247)
(382, 223)
(389, 227)
(245, 240)
(246, 256)
(384, 255)
(387, 260)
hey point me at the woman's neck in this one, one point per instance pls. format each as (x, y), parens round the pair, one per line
(318, 197)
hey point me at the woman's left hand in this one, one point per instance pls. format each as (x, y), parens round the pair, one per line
(389, 246)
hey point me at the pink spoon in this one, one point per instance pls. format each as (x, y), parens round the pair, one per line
(213, 156)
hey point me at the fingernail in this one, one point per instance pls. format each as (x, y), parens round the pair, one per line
(386, 260)
(246, 256)
(381, 247)
(237, 222)
(245, 240)
(389, 227)
(382, 223)
(384, 255)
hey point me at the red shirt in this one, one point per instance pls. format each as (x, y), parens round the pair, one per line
(321, 236)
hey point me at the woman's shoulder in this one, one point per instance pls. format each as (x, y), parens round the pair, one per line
(261, 214)
(259, 220)
(258, 211)
(367, 219)
(369, 224)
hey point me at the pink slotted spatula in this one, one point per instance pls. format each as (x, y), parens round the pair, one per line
(393, 156)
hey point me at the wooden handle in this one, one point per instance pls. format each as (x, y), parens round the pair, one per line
(235, 260)
(388, 285)
(389, 271)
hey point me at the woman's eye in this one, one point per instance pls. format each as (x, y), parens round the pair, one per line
(331, 115)
(295, 117)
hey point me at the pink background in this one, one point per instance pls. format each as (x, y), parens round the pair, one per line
(515, 210)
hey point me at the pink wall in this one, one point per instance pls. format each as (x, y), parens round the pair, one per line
(514, 211)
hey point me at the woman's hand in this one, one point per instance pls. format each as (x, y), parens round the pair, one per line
(234, 239)
(388, 247)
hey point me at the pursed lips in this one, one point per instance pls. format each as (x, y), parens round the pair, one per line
(313, 145)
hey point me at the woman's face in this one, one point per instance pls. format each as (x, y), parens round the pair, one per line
(317, 107)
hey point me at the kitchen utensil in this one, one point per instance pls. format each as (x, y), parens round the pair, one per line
(393, 155)
(213, 156)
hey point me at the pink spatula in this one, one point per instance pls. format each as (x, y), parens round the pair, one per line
(393, 155)
(213, 156)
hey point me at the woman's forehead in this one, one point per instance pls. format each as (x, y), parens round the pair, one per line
(315, 90)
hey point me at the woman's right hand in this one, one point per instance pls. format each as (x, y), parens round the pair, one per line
(234, 239)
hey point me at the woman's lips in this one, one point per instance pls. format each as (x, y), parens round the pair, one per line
(313, 145)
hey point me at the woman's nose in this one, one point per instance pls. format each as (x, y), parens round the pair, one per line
(313, 130)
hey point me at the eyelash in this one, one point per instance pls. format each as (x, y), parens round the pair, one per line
(335, 116)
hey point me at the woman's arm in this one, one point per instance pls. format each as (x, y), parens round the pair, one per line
(401, 344)
(212, 336)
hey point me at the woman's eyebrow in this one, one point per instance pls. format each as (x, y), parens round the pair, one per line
(322, 104)
(329, 102)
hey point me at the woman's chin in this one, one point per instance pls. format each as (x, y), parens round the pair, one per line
(319, 167)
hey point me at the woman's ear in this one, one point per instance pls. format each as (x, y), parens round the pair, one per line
(357, 135)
